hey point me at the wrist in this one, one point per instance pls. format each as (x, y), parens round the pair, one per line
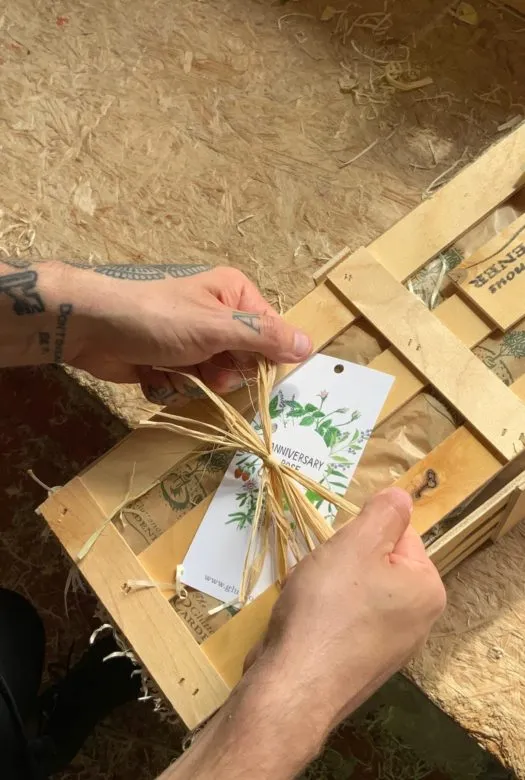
(264, 730)
(68, 321)
(46, 313)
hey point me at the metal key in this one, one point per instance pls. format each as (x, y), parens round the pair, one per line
(431, 482)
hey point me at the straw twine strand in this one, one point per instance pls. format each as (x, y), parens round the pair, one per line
(279, 483)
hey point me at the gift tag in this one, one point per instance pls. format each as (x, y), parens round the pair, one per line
(322, 416)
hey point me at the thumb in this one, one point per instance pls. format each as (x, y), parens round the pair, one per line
(267, 334)
(382, 522)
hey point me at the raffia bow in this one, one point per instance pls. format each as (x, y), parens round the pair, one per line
(278, 483)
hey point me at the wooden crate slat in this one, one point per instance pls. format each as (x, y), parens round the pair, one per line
(468, 327)
(492, 278)
(228, 647)
(428, 345)
(157, 634)
(481, 529)
(492, 506)
(462, 464)
(463, 552)
(163, 555)
(435, 223)
(514, 514)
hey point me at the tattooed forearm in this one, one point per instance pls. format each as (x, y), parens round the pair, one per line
(251, 321)
(44, 341)
(21, 288)
(65, 311)
(192, 391)
(144, 273)
(160, 394)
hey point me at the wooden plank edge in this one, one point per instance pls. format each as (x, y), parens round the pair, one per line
(414, 331)
(158, 636)
(514, 513)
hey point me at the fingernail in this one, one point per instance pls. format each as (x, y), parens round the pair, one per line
(302, 345)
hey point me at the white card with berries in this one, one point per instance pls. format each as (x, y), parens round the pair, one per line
(322, 417)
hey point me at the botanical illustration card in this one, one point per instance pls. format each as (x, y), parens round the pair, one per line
(322, 416)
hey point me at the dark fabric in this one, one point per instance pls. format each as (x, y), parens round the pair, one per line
(22, 645)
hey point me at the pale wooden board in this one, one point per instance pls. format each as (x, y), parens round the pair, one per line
(462, 465)
(429, 346)
(163, 555)
(434, 224)
(515, 513)
(481, 529)
(158, 636)
(493, 278)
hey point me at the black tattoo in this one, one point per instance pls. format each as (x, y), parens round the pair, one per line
(192, 391)
(16, 262)
(20, 287)
(44, 339)
(161, 394)
(251, 321)
(144, 273)
(65, 311)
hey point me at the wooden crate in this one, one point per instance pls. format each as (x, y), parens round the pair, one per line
(427, 349)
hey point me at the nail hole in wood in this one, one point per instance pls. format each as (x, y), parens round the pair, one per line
(195, 692)
(181, 680)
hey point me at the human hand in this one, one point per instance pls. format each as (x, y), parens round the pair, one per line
(350, 615)
(353, 612)
(210, 324)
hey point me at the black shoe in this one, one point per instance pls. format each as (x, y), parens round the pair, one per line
(71, 708)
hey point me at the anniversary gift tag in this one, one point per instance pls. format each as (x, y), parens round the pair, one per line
(322, 416)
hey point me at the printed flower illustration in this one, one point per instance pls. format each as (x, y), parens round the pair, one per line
(335, 427)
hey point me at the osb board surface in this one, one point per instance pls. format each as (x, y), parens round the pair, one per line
(474, 664)
(138, 131)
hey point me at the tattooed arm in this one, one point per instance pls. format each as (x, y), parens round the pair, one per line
(118, 321)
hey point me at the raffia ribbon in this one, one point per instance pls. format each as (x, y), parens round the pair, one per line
(279, 483)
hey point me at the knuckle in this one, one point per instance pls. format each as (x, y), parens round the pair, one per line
(230, 275)
(271, 329)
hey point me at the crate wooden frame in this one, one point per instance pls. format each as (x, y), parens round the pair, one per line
(196, 679)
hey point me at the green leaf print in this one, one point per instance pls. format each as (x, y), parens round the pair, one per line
(274, 407)
(314, 498)
(334, 473)
(331, 436)
(307, 421)
(513, 344)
